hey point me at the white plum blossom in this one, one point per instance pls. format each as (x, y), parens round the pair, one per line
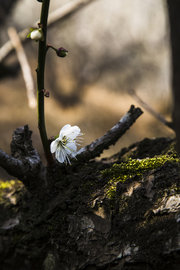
(65, 146)
(36, 34)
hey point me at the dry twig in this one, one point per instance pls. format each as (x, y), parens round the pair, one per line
(98, 146)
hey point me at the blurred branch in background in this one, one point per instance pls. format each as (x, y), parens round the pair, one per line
(67, 10)
(150, 110)
(26, 70)
(59, 14)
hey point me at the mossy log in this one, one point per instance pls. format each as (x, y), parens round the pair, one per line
(118, 213)
(94, 218)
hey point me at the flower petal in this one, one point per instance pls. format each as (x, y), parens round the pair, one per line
(67, 160)
(71, 148)
(73, 132)
(36, 34)
(54, 145)
(63, 130)
(60, 155)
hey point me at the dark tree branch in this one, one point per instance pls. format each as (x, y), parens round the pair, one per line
(12, 165)
(25, 162)
(98, 146)
(21, 145)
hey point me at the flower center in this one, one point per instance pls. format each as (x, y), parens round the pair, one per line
(63, 142)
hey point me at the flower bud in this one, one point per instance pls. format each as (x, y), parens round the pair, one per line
(61, 52)
(46, 93)
(36, 34)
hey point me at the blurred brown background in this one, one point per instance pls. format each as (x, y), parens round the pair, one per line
(113, 46)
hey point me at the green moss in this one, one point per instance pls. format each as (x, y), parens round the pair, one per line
(7, 187)
(133, 167)
(7, 184)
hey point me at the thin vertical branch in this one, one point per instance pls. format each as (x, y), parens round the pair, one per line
(40, 81)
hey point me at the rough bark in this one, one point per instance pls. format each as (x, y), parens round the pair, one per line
(25, 162)
(94, 214)
(77, 226)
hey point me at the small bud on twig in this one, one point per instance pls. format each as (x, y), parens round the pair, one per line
(61, 52)
(40, 25)
(36, 34)
(46, 93)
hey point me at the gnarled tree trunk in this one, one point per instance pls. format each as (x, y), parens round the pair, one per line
(116, 213)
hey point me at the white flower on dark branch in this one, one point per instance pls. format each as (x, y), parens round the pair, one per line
(65, 146)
